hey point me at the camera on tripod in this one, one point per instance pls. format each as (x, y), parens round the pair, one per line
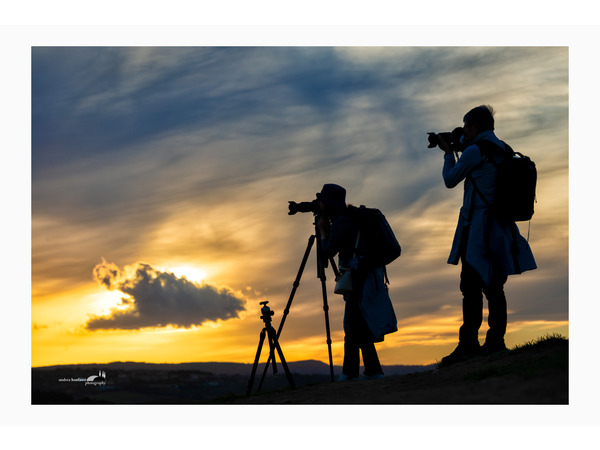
(331, 196)
(454, 139)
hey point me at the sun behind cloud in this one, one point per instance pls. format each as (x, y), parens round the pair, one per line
(192, 273)
(155, 298)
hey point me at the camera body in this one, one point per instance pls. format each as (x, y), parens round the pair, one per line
(454, 139)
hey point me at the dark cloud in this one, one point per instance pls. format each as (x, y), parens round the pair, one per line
(159, 299)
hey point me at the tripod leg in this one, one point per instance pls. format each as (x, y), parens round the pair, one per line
(270, 359)
(286, 311)
(275, 343)
(323, 278)
(326, 310)
(334, 267)
(254, 367)
(272, 351)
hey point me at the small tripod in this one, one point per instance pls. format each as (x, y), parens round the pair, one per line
(269, 331)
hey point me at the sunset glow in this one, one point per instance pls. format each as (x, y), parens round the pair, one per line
(161, 179)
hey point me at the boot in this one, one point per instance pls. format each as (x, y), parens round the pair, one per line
(461, 353)
(493, 346)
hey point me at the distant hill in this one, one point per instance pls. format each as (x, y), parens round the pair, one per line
(307, 367)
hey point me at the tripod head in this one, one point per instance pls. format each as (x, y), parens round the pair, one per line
(266, 313)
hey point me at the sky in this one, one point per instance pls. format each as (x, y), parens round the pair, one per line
(160, 181)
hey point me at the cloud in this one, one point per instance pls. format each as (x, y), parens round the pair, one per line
(159, 299)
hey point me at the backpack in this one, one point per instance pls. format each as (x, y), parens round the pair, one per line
(377, 245)
(515, 183)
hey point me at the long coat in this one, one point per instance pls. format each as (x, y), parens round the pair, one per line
(370, 293)
(489, 245)
(376, 306)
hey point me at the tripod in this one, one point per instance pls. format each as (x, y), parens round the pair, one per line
(269, 331)
(321, 275)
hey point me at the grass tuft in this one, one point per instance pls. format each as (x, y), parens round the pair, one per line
(548, 339)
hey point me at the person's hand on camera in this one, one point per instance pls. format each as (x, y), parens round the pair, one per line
(443, 145)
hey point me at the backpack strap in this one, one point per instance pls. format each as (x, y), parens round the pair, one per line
(488, 149)
(475, 189)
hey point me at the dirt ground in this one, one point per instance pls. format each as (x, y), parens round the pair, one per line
(534, 375)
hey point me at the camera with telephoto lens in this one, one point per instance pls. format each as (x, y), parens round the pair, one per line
(304, 207)
(454, 139)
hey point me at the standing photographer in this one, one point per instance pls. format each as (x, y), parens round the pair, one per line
(339, 233)
(489, 249)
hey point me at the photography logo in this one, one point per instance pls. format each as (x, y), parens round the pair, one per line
(93, 380)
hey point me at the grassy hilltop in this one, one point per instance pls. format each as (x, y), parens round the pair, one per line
(536, 372)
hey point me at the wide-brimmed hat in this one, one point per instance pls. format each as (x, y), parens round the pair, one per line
(333, 196)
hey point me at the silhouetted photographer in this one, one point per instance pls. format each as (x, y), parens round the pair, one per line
(368, 314)
(486, 240)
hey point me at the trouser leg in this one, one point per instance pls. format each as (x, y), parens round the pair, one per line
(357, 339)
(471, 287)
(351, 366)
(498, 316)
(371, 360)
